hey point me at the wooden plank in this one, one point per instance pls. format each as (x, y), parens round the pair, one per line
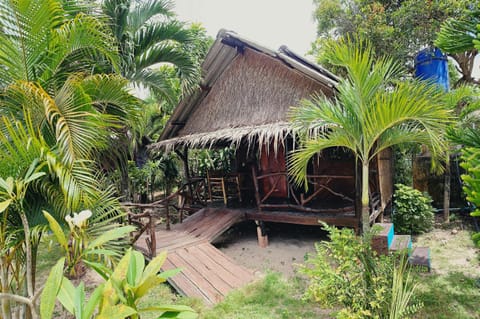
(183, 242)
(216, 226)
(401, 242)
(303, 219)
(226, 262)
(421, 257)
(232, 280)
(181, 283)
(208, 291)
(192, 219)
(207, 273)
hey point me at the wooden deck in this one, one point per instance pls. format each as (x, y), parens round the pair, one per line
(302, 218)
(207, 273)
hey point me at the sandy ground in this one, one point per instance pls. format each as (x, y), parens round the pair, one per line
(288, 245)
(451, 248)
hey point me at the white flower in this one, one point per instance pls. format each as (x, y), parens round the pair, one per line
(85, 214)
(69, 220)
(79, 219)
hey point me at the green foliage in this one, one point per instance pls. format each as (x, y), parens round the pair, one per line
(119, 296)
(458, 35)
(346, 271)
(365, 118)
(81, 247)
(412, 211)
(205, 160)
(148, 34)
(471, 179)
(395, 28)
(403, 158)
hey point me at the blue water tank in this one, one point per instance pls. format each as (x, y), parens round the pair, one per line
(432, 65)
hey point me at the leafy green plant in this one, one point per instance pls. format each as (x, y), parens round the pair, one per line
(471, 180)
(412, 210)
(346, 271)
(78, 246)
(118, 297)
(403, 289)
(211, 159)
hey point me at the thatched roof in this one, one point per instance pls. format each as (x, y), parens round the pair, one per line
(246, 93)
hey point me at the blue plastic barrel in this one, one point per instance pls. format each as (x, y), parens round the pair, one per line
(432, 65)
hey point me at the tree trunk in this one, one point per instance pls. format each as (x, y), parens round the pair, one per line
(365, 199)
(446, 192)
(28, 257)
(6, 310)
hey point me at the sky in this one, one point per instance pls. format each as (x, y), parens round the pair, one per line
(270, 23)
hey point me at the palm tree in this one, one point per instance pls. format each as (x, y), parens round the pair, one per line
(148, 35)
(370, 113)
(56, 114)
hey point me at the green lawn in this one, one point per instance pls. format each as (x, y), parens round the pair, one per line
(453, 290)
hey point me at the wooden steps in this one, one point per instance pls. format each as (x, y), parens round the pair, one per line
(206, 273)
(421, 257)
(401, 243)
(386, 241)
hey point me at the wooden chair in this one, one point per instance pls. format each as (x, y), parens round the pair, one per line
(218, 183)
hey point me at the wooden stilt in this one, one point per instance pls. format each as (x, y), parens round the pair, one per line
(261, 234)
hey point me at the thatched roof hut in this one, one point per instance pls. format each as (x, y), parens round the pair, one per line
(246, 93)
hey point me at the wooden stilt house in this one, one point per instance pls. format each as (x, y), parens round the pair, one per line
(243, 102)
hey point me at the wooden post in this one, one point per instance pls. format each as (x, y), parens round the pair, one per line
(184, 156)
(153, 243)
(261, 234)
(167, 210)
(255, 184)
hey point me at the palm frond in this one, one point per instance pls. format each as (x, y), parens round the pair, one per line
(143, 12)
(152, 34)
(188, 70)
(299, 158)
(109, 95)
(85, 34)
(458, 35)
(25, 40)
(158, 82)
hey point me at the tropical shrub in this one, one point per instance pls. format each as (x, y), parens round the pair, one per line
(346, 272)
(211, 160)
(412, 210)
(471, 180)
(118, 296)
(78, 245)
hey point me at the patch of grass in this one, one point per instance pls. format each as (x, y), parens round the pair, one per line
(454, 295)
(453, 288)
(272, 297)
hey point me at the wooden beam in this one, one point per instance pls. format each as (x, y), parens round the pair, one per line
(302, 219)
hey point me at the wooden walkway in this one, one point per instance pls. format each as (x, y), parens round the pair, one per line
(206, 273)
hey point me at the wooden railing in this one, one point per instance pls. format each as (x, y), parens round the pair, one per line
(299, 202)
(375, 207)
(145, 220)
